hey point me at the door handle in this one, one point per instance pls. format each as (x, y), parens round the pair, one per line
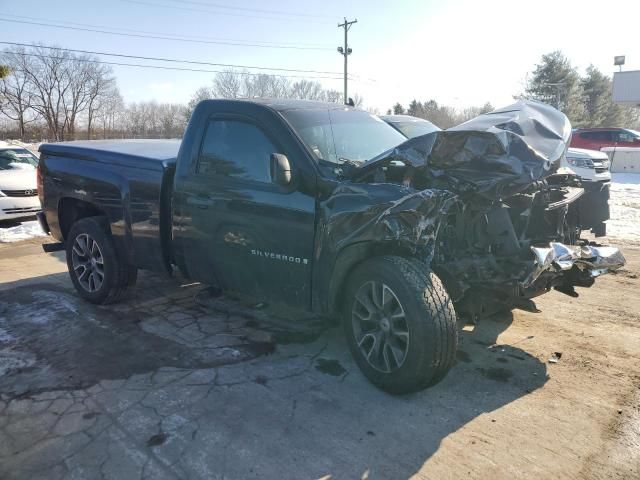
(202, 203)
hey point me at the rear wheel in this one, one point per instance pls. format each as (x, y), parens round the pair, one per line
(98, 273)
(400, 324)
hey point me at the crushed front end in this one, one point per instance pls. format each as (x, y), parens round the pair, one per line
(512, 227)
(492, 256)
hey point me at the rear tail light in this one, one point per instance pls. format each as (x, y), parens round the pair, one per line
(39, 182)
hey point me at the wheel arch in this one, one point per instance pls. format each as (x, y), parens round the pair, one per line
(349, 259)
(70, 210)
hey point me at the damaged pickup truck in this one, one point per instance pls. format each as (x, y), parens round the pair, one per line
(327, 208)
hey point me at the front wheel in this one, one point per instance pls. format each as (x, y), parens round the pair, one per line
(98, 273)
(400, 324)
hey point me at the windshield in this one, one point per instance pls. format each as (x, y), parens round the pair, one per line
(412, 129)
(15, 158)
(340, 135)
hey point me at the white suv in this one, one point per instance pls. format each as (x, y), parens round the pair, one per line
(18, 189)
(589, 165)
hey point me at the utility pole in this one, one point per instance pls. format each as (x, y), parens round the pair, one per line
(345, 52)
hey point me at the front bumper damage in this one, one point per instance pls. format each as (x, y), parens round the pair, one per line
(590, 261)
(485, 207)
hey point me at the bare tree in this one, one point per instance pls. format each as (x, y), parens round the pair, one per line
(154, 120)
(55, 85)
(266, 86)
(228, 84)
(333, 96)
(15, 96)
(110, 112)
(77, 78)
(243, 84)
(203, 93)
(172, 120)
(101, 87)
(49, 82)
(307, 90)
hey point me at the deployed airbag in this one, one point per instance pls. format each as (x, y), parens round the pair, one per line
(496, 154)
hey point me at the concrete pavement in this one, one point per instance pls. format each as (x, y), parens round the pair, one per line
(176, 383)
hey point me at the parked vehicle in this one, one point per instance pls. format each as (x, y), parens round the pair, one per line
(589, 165)
(410, 126)
(593, 168)
(327, 208)
(18, 193)
(597, 138)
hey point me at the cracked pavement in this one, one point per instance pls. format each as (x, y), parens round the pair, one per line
(178, 383)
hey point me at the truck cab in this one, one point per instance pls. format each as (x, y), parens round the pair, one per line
(247, 187)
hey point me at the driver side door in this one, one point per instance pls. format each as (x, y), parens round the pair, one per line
(247, 232)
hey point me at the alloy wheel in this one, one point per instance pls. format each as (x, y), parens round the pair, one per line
(380, 326)
(88, 263)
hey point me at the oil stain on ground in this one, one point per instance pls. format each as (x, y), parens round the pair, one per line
(330, 367)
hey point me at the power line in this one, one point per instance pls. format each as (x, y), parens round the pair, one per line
(277, 12)
(162, 67)
(197, 37)
(161, 37)
(173, 60)
(261, 17)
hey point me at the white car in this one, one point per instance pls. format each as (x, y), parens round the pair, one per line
(589, 165)
(593, 168)
(18, 189)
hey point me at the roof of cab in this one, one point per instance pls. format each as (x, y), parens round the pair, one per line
(283, 104)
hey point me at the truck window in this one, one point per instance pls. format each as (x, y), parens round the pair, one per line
(234, 148)
(341, 134)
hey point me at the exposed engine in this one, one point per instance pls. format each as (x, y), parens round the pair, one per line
(512, 230)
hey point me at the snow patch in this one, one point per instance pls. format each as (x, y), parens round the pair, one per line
(625, 207)
(24, 231)
(44, 308)
(11, 360)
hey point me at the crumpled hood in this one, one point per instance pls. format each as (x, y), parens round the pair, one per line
(495, 154)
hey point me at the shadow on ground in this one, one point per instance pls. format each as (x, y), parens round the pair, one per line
(272, 405)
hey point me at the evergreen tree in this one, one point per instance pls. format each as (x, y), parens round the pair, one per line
(398, 109)
(596, 96)
(415, 109)
(556, 82)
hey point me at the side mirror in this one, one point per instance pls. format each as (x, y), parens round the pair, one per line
(280, 169)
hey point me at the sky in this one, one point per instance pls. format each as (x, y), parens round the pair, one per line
(458, 52)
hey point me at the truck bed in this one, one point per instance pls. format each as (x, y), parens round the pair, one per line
(145, 154)
(128, 181)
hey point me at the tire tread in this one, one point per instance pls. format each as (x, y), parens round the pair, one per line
(430, 294)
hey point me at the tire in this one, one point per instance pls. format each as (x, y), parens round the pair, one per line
(98, 273)
(412, 305)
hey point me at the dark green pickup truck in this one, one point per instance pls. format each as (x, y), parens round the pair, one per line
(327, 208)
